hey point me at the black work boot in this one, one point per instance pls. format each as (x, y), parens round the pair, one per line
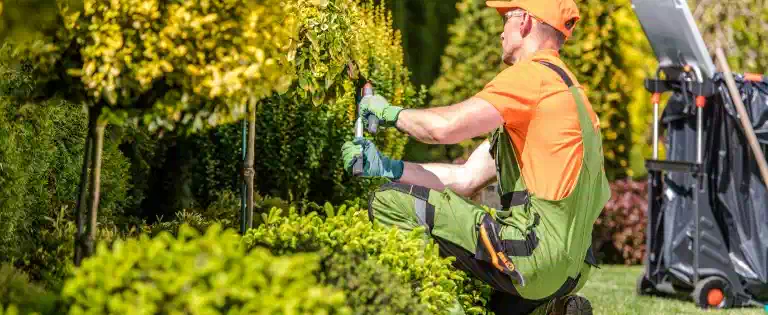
(567, 305)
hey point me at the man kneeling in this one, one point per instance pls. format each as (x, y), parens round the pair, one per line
(544, 152)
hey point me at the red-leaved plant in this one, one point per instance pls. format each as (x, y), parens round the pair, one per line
(619, 235)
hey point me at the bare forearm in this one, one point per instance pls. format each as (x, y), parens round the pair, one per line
(425, 125)
(450, 124)
(435, 176)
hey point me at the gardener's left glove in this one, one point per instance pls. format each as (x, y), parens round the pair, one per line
(379, 106)
(375, 164)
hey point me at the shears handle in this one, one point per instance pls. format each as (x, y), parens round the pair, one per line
(373, 125)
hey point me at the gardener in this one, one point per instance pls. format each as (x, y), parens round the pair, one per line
(545, 151)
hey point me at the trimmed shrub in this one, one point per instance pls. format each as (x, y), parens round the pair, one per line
(608, 53)
(210, 273)
(299, 134)
(438, 286)
(619, 235)
(370, 288)
(25, 297)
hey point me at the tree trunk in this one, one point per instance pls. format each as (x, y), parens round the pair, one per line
(80, 247)
(98, 141)
(243, 185)
(250, 159)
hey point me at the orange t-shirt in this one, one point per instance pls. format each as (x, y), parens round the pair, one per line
(542, 118)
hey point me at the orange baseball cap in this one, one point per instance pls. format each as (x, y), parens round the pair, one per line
(560, 14)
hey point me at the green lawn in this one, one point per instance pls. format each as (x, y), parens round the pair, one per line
(612, 291)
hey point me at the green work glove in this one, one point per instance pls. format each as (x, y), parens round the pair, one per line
(379, 106)
(374, 163)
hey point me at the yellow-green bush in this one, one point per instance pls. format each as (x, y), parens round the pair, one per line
(608, 53)
(347, 230)
(299, 134)
(210, 273)
(180, 64)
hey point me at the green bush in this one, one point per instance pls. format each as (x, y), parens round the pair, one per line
(210, 273)
(16, 290)
(433, 280)
(370, 288)
(608, 53)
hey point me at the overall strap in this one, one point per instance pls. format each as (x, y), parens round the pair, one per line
(585, 122)
(559, 71)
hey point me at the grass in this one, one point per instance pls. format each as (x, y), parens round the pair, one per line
(612, 291)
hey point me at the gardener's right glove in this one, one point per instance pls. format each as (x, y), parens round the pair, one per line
(375, 164)
(379, 106)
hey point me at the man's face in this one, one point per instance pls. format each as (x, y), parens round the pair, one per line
(511, 37)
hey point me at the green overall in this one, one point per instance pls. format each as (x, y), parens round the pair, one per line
(547, 244)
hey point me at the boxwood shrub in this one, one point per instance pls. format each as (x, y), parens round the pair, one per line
(437, 285)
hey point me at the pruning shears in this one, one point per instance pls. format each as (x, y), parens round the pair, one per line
(373, 125)
(373, 121)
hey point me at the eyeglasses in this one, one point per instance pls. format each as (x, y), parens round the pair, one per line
(511, 14)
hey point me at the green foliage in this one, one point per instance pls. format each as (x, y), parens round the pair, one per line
(608, 54)
(198, 274)
(26, 20)
(299, 134)
(744, 27)
(473, 55)
(41, 149)
(46, 255)
(370, 288)
(346, 230)
(424, 33)
(26, 298)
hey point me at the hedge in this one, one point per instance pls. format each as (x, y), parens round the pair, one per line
(438, 285)
(41, 147)
(608, 53)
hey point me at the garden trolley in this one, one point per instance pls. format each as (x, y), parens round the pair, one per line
(707, 232)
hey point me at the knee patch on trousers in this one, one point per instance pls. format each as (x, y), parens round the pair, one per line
(418, 203)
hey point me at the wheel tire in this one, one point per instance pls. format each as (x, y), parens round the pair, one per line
(713, 292)
(644, 286)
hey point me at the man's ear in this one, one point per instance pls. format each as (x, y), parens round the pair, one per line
(526, 25)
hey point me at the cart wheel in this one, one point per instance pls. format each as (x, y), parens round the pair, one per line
(644, 286)
(712, 292)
